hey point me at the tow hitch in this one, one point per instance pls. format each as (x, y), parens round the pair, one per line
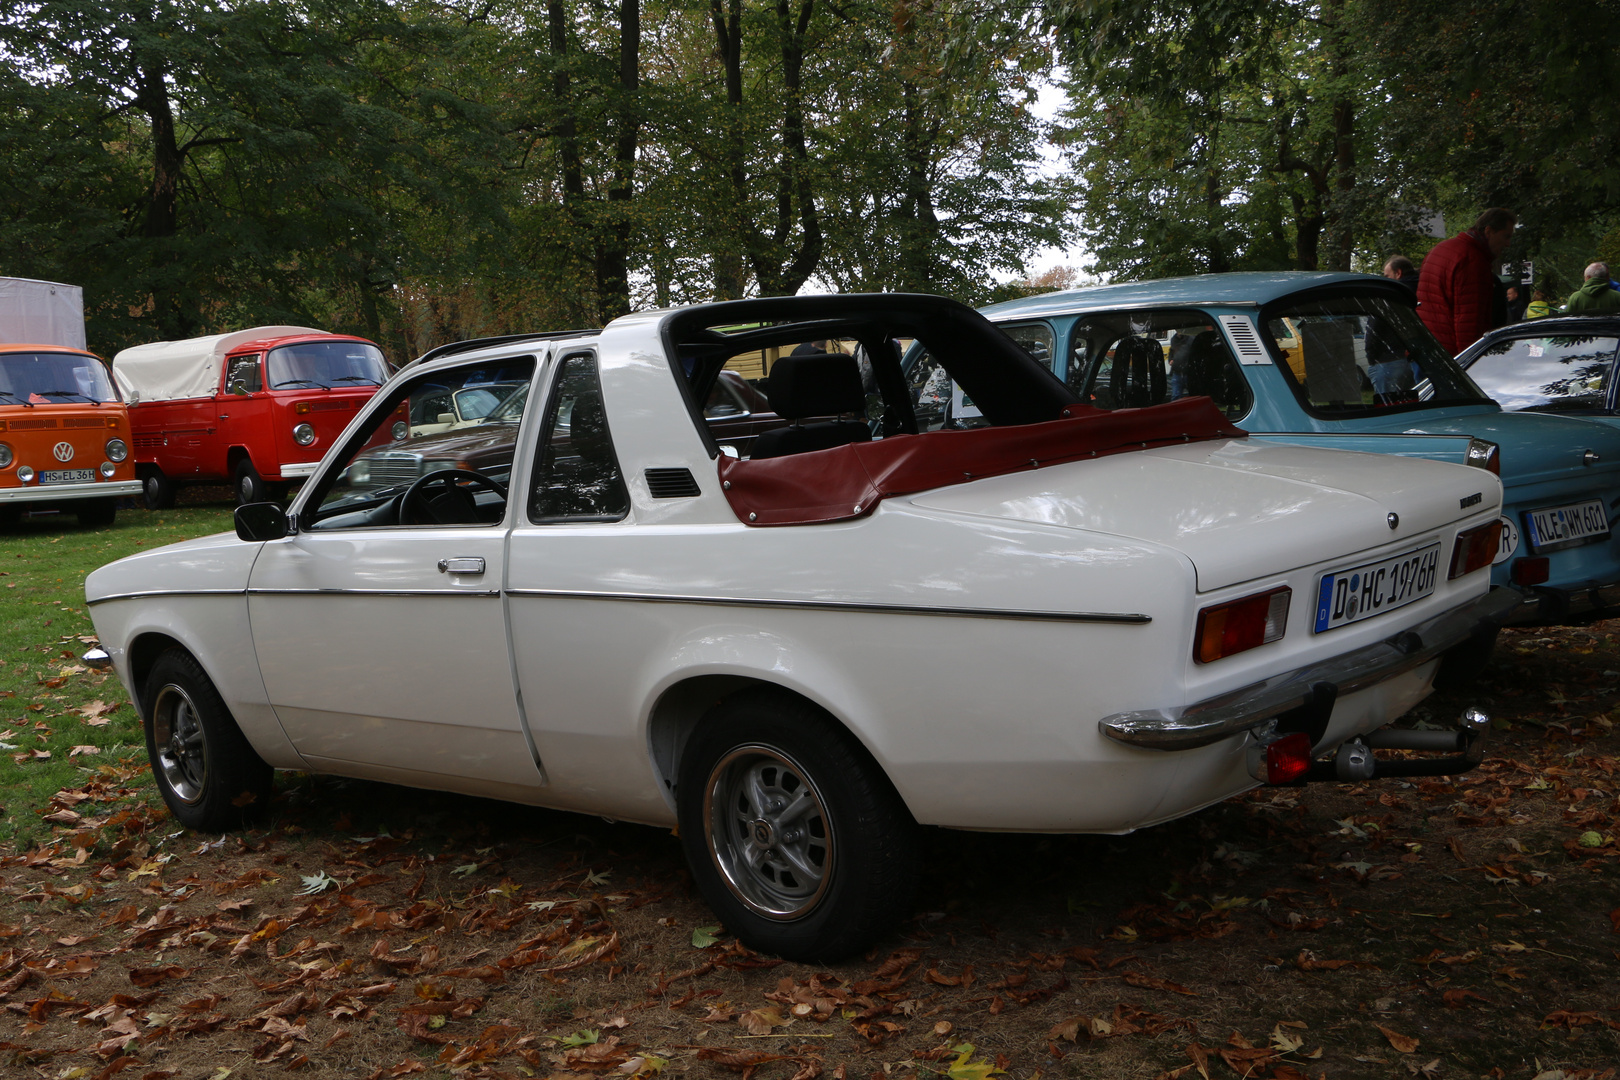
(1275, 758)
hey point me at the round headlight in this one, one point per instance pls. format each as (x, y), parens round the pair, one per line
(401, 429)
(360, 472)
(6, 456)
(25, 473)
(117, 450)
(107, 469)
(303, 434)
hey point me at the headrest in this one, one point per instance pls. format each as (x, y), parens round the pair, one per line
(815, 384)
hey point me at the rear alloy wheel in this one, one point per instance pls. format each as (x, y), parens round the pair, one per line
(795, 837)
(206, 771)
(157, 490)
(98, 513)
(250, 486)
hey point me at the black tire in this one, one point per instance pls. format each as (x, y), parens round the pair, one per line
(1462, 665)
(98, 513)
(250, 486)
(157, 490)
(207, 772)
(854, 831)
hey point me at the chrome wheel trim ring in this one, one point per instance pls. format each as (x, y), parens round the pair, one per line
(768, 832)
(179, 743)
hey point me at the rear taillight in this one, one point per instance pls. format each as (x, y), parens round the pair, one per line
(1241, 624)
(1531, 571)
(1287, 759)
(1485, 455)
(1475, 548)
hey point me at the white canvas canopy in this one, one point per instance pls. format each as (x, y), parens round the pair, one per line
(167, 370)
(41, 313)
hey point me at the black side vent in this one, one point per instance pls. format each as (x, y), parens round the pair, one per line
(672, 484)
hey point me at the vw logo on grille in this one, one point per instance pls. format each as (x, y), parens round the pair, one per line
(63, 451)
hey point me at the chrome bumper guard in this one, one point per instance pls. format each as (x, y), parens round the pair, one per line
(1210, 721)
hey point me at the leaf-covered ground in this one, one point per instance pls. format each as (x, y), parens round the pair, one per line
(1392, 929)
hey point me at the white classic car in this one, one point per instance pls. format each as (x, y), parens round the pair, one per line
(1067, 620)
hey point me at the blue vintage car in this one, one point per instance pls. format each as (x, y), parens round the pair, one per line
(1329, 359)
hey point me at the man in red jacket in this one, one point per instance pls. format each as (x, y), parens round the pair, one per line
(1457, 288)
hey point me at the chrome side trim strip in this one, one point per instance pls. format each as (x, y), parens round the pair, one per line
(109, 598)
(1212, 720)
(834, 605)
(456, 594)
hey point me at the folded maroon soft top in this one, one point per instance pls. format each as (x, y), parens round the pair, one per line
(848, 481)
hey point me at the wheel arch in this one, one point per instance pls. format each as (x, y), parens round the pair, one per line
(144, 651)
(681, 707)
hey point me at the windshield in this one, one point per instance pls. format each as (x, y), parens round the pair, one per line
(1550, 374)
(510, 410)
(1359, 355)
(326, 364)
(52, 378)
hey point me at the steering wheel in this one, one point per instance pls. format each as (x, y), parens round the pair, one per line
(415, 508)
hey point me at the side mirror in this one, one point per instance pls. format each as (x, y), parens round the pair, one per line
(262, 521)
(447, 418)
(134, 398)
(239, 389)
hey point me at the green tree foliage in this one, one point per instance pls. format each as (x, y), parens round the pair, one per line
(420, 172)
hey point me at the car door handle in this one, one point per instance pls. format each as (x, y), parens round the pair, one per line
(463, 564)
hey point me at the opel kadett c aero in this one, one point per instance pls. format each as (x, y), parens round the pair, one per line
(1326, 359)
(1068, 619)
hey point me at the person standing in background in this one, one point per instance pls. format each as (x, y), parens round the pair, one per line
(1595, 294)
(1539, 307)
(1399, 268)
(1518, 301)
(1457, 292)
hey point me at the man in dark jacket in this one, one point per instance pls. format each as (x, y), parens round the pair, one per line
(1457, 293)
(1596, 293)
(1399, 268)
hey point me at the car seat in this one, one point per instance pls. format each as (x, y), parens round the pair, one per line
(813, 385)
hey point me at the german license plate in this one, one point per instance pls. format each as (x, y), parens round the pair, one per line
(1365, 592)
(67, 476)
(1559, 527)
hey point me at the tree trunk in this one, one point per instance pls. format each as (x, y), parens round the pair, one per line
(779, 271)
(613, 247)
(729, 273)
(161, 216)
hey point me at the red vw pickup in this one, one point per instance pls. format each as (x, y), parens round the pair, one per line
(256, 408)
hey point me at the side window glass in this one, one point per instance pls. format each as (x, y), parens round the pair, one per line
(577, 477)
(242, 375)
(405, 473)
(1154, 357)
(936, 399)
(1036, 339)
(1548, 374)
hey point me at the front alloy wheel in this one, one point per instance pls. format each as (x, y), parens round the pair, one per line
(177, 736)
(207, 772)
(769, 833)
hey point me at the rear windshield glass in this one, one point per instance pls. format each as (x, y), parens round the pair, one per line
(326, 364)
(1360, 355)
(49, 378)
(1548, 374)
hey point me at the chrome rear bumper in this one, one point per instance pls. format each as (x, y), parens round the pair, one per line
(1212, 720)
(1545, 606)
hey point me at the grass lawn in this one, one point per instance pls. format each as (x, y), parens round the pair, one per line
(60, 721)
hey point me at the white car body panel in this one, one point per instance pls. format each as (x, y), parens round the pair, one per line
(940, 629)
